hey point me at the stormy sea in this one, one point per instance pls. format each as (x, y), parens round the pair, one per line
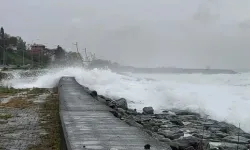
(223, 97)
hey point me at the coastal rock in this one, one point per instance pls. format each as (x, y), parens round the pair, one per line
(148, 110)
(116, 113)
(161, 116)
(130, 121)
(180, 129)
(171, 135)
(93, 93)
(103, 97)
(155, 128)
(177, 122)
(122, 103)
(234, 139)
(186, 112)
(187, 142)
(131, 112)
(110, 103)
(121, 111)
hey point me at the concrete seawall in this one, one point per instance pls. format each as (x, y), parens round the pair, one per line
(88, 124)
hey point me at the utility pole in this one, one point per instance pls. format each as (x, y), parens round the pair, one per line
(86, 56)
(76, 44)
(23, 57)
(3, 38)
(238, 138)
(32, 59)
(77, 49)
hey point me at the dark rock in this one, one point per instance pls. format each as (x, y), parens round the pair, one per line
(246, 135)
(102, 96)
(230, 146)
(121, 111)
(149, 132)
(122, 103)
(197, 135)
(159, 116)
(165, 140)
(148, 110)
(108, 99)
(158, 136)
(185, 112)
(174, 145)
(187, 141)
(101, 99)
(111, 104)
(234, 139)
(171, 134)
(116, 114)
(131, 112)
(177, 122)
(225, 129)
(188, 117)
(220, 134)
(155, 128)
(212, 129)
(147, 126)
(131, 121)
(93, 93)
(190, 148)
(147, 146)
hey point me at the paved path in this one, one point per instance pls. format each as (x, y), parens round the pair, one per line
(88, 123)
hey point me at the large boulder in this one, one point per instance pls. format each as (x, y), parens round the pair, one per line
(122, 103)
(148, 110)
(93, 94)
(188, 142)
(171, 134)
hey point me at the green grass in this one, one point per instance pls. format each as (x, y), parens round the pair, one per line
(49, 114)
(5, 116)
(4, 90)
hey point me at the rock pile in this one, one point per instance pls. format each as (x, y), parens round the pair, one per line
(182, 130)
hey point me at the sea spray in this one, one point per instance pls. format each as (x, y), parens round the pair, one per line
(223, 97)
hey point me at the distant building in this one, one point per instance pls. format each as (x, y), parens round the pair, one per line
(37, 48)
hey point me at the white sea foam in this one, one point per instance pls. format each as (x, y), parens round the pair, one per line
(222, 97)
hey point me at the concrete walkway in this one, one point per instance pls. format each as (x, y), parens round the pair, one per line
(88, 123)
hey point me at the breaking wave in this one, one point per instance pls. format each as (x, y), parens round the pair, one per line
(224, 97)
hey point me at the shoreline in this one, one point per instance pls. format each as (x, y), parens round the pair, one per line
(178, 128)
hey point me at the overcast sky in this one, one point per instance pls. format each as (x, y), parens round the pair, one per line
(181, 33)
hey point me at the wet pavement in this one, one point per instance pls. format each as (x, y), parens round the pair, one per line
(88, 124)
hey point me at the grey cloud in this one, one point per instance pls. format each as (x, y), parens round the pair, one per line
(181, 33)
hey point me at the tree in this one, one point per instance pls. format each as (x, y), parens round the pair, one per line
(12, 41)
(59, 54)
(21, 45)
(2, 33)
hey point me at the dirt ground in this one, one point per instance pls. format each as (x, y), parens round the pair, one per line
(29, 119)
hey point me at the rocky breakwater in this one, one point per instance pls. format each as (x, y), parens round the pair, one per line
(182, 130)
(5, 76)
